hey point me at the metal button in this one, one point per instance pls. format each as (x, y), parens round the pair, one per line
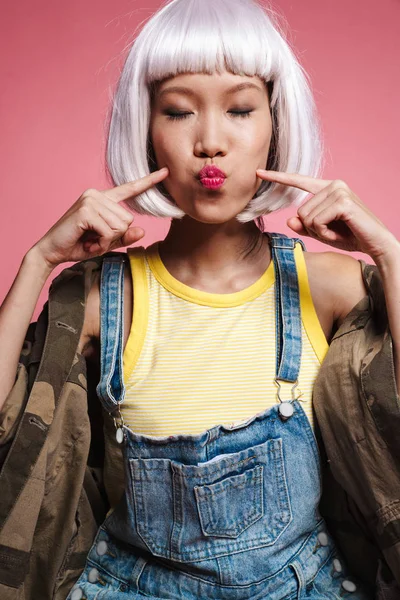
(337, 565)
(285, 410)
(323, 538)
(93, 575)
(349, 586)
(77, 594)
(101, 548)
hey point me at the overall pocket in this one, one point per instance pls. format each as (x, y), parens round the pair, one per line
(215, 502)
(197, 512)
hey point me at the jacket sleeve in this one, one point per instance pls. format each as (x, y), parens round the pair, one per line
(33, 346)
(28, 364)
(358, 411)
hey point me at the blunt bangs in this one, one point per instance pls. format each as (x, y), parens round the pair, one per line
(213, 39)
(208, 36)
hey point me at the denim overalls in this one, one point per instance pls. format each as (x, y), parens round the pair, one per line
(227, 514)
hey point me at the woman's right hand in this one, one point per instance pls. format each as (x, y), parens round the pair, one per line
(95, 224)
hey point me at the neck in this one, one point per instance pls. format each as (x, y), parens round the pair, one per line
(200, 249)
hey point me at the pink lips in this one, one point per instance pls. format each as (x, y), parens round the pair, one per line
(211, 177)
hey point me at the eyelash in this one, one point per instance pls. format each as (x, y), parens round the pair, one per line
(180, 116)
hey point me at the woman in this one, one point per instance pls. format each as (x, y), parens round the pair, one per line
(213, 476)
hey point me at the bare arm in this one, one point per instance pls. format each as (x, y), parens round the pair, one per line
(15, 316)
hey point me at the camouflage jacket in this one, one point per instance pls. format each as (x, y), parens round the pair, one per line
(53, 498)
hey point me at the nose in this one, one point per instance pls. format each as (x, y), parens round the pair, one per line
(211, 139)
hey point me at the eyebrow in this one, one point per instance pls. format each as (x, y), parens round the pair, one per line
(187, 91)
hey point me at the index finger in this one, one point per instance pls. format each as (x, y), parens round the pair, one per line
(134, 188)
(303, 182)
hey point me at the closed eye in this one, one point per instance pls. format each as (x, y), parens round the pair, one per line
(183, 115)
(241, 113)
(179, 115)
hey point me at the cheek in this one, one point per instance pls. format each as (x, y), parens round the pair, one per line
(160, 143)
(170, 149)
(173, 149)
(259, 139)
(253, 149)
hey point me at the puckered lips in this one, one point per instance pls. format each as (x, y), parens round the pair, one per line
(211, 177)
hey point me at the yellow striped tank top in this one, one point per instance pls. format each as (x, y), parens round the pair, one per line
(196, 359)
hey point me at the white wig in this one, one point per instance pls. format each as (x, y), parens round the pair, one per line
(192, 36)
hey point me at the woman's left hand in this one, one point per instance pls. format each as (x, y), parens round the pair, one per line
(335, 215)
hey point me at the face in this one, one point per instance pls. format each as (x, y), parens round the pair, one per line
(199, 120)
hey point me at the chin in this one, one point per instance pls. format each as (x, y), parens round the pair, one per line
(212, 206)
(212, 214)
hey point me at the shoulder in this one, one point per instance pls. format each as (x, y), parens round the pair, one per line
(335, 279)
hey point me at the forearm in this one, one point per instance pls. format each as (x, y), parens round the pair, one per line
(389, 268)
(15, 316)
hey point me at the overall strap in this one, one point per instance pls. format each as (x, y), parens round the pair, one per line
(287, 307)
(111, 389)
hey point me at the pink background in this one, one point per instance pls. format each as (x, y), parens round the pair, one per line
(59, 62)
